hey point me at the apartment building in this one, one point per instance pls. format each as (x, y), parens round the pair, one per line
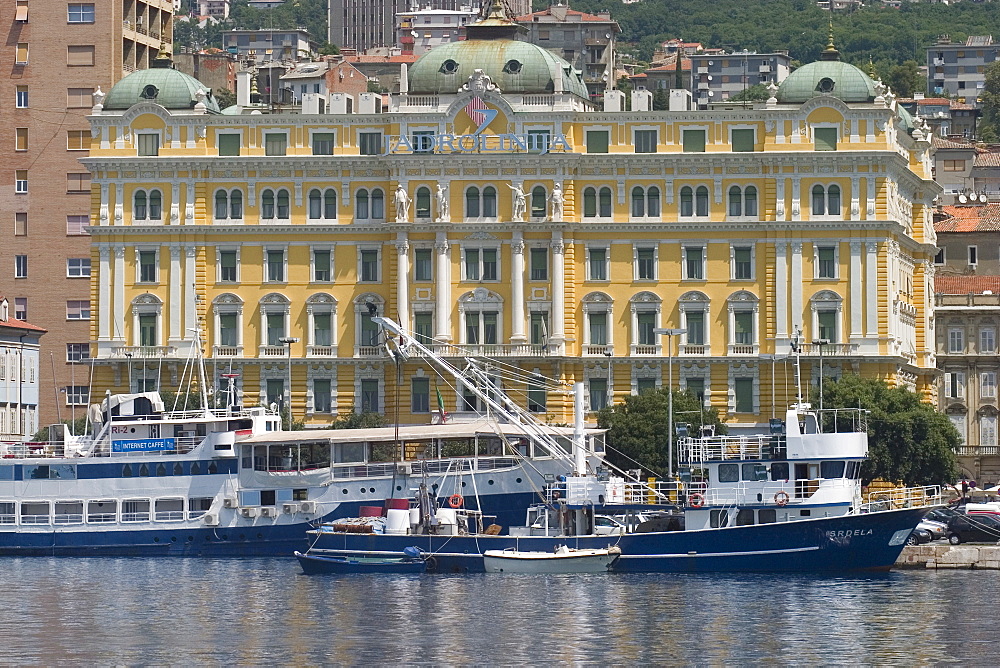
(958, 69)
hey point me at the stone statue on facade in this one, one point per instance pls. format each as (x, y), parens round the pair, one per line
(402, 204)
(441, 200)
(556, 199)
(518, 203)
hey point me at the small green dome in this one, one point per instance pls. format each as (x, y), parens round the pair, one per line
(162, 85)
(826, 77)
(514, 66)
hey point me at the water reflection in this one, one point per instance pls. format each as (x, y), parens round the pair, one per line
(157, 611)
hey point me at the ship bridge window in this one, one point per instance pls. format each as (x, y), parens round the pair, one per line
(718, 518)
(744, 517)
(35, 512)
(99, 512)
(47, 472)
(135, 510)
(831, 469)
(267, 497)
(300, 494)
(755, 472)
(853, 470)
(250, 498)
(348, 452)
(6, 473)
(7, 513)
(729, 472)
(779, 471)
(198, 507)
(69, 512)
(767, 516)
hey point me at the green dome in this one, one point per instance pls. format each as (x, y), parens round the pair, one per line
(161, 85)
(826, 77)
(514, 66)
(906, 120)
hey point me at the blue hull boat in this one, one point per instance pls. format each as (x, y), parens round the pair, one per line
(317, 564)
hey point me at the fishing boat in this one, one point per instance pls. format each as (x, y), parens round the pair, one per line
(561, 560)
(317, 564)
(789, 500)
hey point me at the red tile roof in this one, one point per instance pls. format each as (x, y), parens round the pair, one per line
(957, 284)
(979, 218)
(941, 142)
(987, 160)
(569, 12)
(672, 67)
(14, 323)
(935, 101)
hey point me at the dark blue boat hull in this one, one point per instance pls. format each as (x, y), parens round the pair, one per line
(319, 565)
(868, 542)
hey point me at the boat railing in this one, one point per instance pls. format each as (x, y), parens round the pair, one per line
(715, 448)
(428, 466)
(923, 496)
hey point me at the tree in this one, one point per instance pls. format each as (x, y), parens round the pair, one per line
(637, 428)
(352, 420)
(755, 93)
(989, 99)
(661, 100)
(225, 97)
(908, 440)
(905, 79)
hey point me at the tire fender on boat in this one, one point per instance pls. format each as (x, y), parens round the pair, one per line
(781, 498)
(455, 500)
(697, 500)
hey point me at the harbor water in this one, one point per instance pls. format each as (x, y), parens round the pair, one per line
(136, 611)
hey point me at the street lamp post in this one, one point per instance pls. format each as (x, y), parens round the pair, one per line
(668, 332)
(287, 341)
(820, 343)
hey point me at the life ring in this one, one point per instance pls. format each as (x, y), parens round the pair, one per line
(697, 500)
(781, 498)
(455, 500)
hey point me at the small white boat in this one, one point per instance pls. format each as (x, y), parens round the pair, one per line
(562, 560)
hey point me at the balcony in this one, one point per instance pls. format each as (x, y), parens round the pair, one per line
(494, 350)
(829, 349)
(321, 351)
(144, 352)
(598, 350)
(227, 351)
(744, 349)
(272, 351)
(646, 349)
(765, 69)
(702, 70)
(369, 351)
(694, 350)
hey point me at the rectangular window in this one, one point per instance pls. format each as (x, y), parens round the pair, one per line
(743, 391)
(695, 321)
(539, 140)
(275, 266)
(21, 97)
(956, 340)
(228, 263)
(827, 321)
(420, 395)
(322, 330)
(147, 330)
(423, 327)
(275, 391)
(77, 395)
(597, 264)
(20, 224)
(539, 264)
(826, 139)
(20, 139)
(645, 324)
(987, 340)
(78, 309)
(694, 263)
(321, 395)
(275, 143)
(598, 328)
(322, 143)
(369, 266)
(21, 55)
(20, 266)
(77, 226)
(597, 141)
(954, 385)
(423, 264)
(147, 266)
(645, 260)
(21, 308)
(953, 166)
(536, 399)
(826, 257)
(78, 182)
(229, 144)
(973, 255)
(743, 328)
(988, 385)
(940, 257)
(80, 55)
(148, 144)
(77, 140)
(693, 141)
(598, 393)
(79, 98)
(78, 267)
(369, 396)
(322, 266)
(20, 181)
(696, 387)
(645, 141)
(370, 143)
(80, 13)
(228, 334)
(539, 326)
(275, 323)
(743, 140)
(77, 352)
(742, 263)
(422, 141)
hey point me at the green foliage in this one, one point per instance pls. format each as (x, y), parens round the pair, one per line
(755, 93)
(352, 420)
(906, 79)
(328, 49)
(225, 97)
(308, 14)
(637, 428)
(908, 441)
(990, 99)
(661, 100)
(78, 427)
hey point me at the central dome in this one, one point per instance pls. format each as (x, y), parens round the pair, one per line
(827, 76)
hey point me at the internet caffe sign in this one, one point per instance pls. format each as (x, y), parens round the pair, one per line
(481, 114)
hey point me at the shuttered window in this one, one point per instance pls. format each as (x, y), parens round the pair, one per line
(743, 141)
(78, 182)
(22, 54)
(826, 139)
(597, 141)
(79, 55)
(229, 144)
(694, 141)
(77, 140)
(79, 98)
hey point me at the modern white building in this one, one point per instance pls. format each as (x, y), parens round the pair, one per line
(19, 376)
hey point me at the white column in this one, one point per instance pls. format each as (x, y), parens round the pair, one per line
(796, 285)
(517, 289)
(104, 296)
(857, 327)
(442, 280)
(781, 290)
(176, 280)
(558, 291)
(190, 307)
(118, 302)
(871, 286)
(403, 280)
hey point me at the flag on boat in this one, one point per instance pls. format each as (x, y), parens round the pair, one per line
(444, 415)
(475, 110)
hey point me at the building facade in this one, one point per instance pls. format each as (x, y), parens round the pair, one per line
(419, 30)
(58, 56)
(718, 77)
(494, 211)
(958, 70)
(20, 375)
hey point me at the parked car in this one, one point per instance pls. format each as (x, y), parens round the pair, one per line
(973, 528)
(937, 530)
(942, 515)
(605, 525)
(918, 537)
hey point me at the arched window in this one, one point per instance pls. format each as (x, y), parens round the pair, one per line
(538, 200)
(283, 210)
(604, 200)
(687, 202)
(750, 201)
(742, 201)
(701, 201)
(735, 201)
(369, 205)
(147, 205)
(139, 205)
(228, 204)
(323, 205)
(481, 203)
(826, 200)
(267, 204)
(423, 206)
(589, 203)
(472, 202)
(361, 204)
(489, 202)
(378, 204)
(638, 202)
(652, 202)
(645, 202)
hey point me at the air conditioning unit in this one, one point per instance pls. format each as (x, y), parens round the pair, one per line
(231, 502)
(404, 468)
(289, 508)
(308, 507)
(269, 511)
(249, 512)
(211, 519)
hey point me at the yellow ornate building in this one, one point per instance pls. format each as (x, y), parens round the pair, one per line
(491, 209)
